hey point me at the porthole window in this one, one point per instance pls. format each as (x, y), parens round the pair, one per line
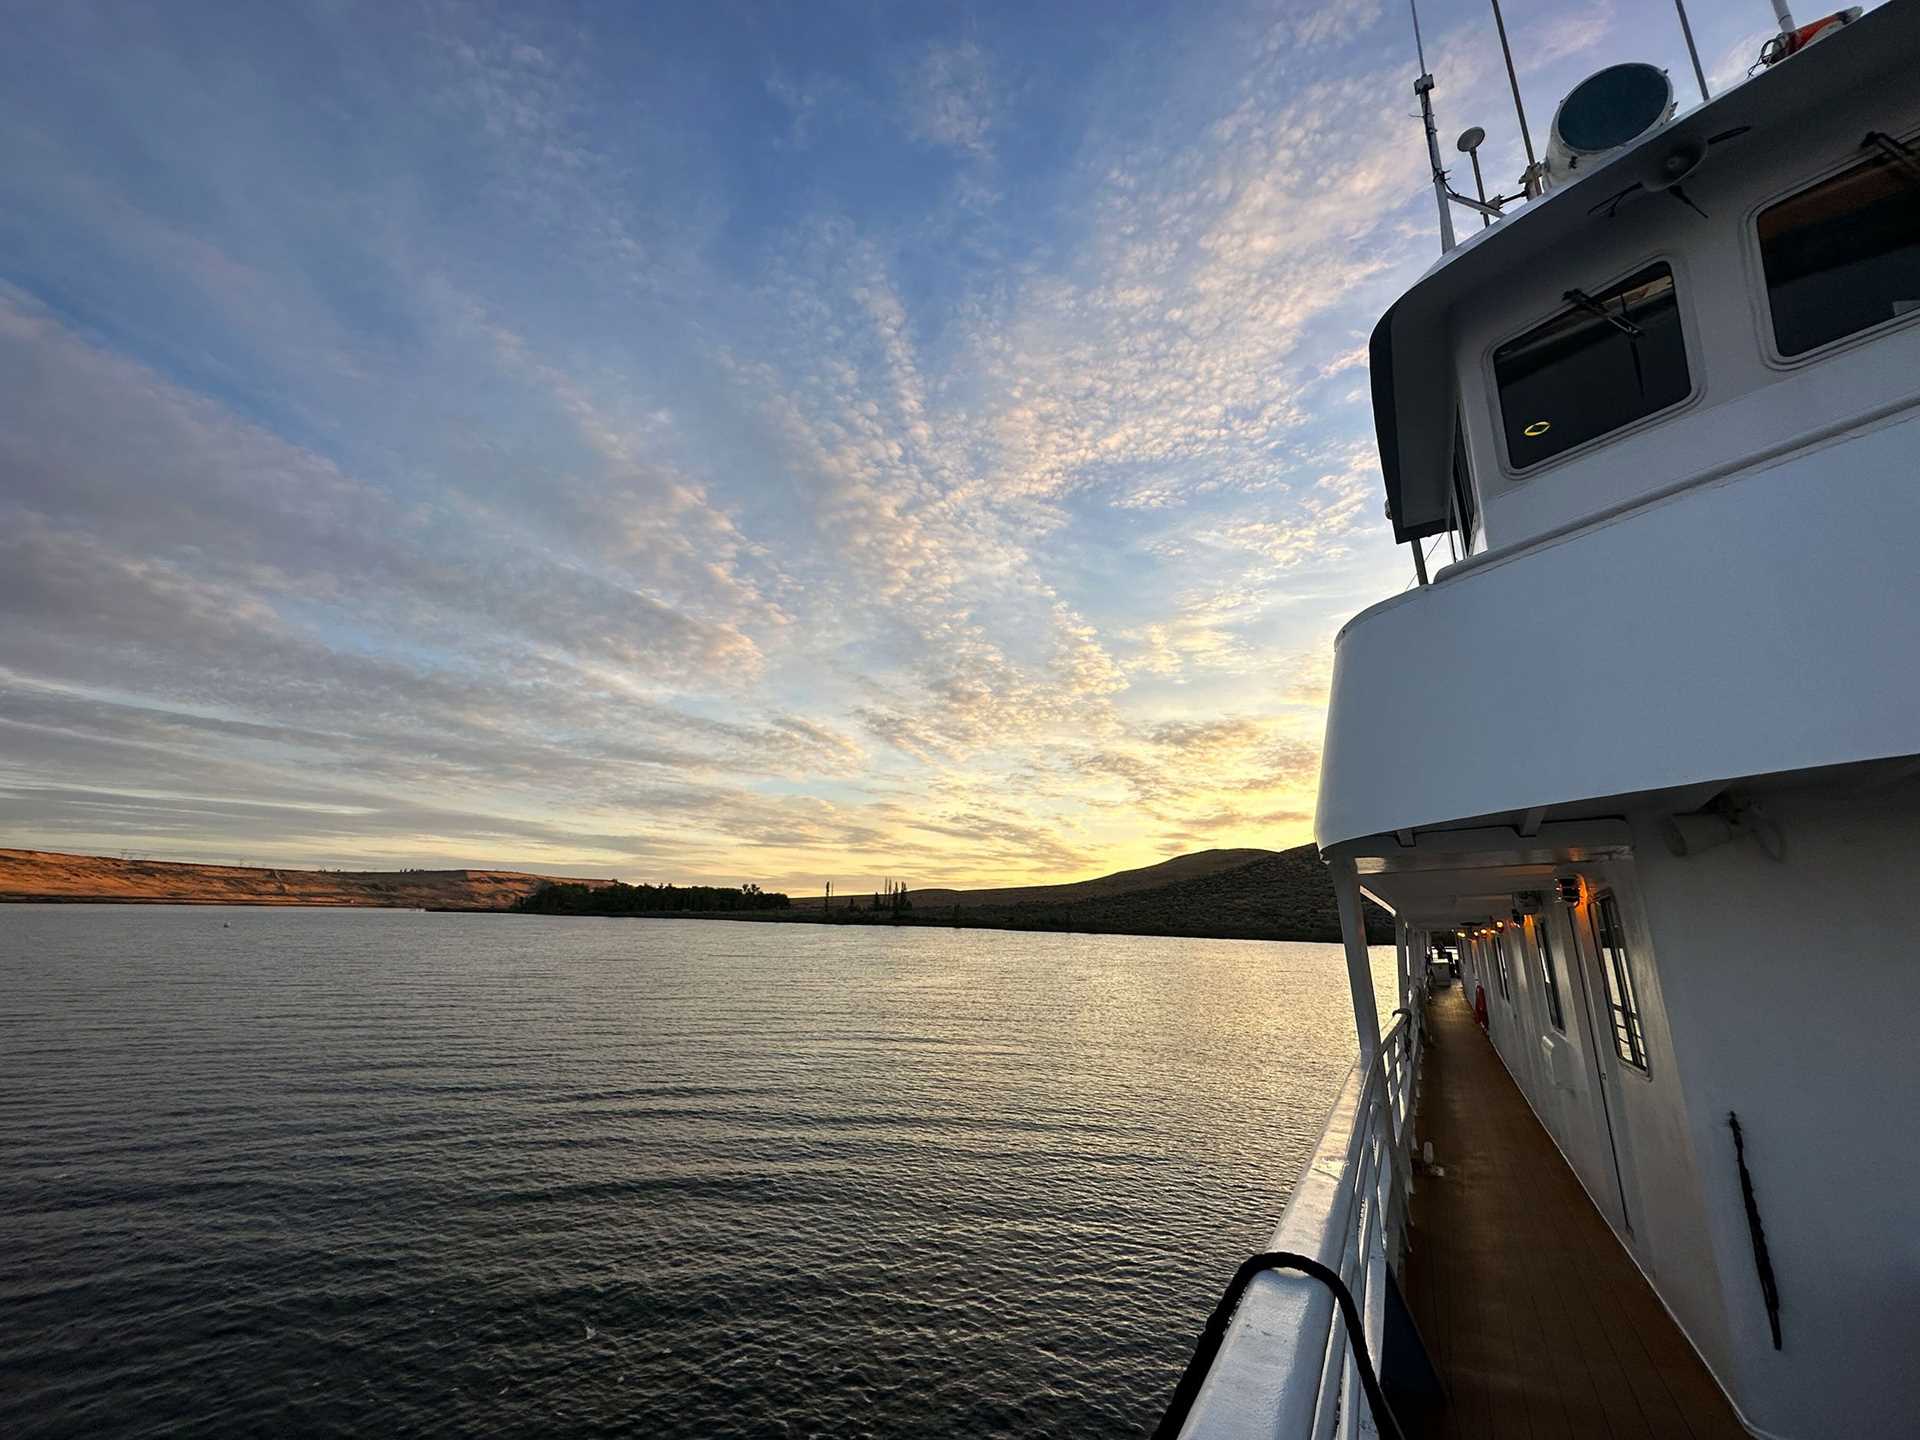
(1843, 256)
(1602, 363)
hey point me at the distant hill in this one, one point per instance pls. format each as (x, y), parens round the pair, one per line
(1233, 894)
(47, 875)
(1182, 868)
(1229, 894)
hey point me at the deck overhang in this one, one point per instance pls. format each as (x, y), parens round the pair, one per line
(1446, 878)
(1749, 621)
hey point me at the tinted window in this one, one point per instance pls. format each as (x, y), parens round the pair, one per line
(1842, 256)
(1604, 362)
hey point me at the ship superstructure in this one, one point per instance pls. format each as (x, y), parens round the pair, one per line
(1645, 759)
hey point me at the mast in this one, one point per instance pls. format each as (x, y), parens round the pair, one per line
(1423, 87)
(1533, 182)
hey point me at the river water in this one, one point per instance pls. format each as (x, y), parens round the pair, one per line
(339, 1172)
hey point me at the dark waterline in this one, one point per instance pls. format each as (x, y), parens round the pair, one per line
(335, 1172)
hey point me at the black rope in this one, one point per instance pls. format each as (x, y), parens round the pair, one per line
(1769, 1291)
(1207, 1349)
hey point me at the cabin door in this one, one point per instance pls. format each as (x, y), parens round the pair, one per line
(1601, 1078)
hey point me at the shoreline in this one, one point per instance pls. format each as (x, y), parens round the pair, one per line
(1036, 926)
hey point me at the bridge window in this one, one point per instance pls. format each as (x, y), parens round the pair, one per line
(1610, 936)
(1843, 256)
(1604, 362)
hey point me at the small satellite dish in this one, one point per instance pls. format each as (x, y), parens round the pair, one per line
(1471, 139)
(1605, 112)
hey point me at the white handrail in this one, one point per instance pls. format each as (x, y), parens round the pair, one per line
(1284, 1367)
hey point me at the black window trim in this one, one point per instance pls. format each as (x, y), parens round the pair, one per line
(1689, 335)
(1757, 268)
(1634, 1014)
(1550, 982)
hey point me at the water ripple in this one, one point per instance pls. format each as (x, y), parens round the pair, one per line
(327, 1173)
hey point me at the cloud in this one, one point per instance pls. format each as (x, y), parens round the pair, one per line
(507, 441)
(949, 99)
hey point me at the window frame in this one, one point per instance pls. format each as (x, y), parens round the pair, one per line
(1550, 982)
(1500, 968)
(1756, 265)
(1690, 341)
(1622, 997)
(1463, 485)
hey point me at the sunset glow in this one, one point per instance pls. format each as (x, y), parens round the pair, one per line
(780, 444)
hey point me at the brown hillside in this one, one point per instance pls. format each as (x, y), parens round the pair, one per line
(1232, 894)
(47, 875)
(1197, 866)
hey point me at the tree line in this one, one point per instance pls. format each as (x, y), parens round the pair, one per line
(621, 899)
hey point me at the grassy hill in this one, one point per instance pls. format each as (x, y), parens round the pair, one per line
(1231, 894)
(1234, 894)
(1200, 865)
(47, 875)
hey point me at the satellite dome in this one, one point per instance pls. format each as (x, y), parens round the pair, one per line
(1604, 112)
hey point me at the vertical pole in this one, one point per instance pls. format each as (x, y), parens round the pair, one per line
(1366, 1020)
(1784, 16)
(1419, 563)
(1353, 935)
(1532, 183)
(1480, 187)
(1692, 54)
(1423, 87)
(1403, 958)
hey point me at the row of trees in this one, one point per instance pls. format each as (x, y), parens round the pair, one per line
(620, 899)
(891, 900)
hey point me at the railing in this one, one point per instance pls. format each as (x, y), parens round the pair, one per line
(1285, 1368)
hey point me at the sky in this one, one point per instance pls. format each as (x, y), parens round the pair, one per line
(711, 442)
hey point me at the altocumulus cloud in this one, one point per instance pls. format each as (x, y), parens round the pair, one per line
(790, 446)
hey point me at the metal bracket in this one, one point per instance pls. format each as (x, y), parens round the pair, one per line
(1891, 149)
(1586, 302)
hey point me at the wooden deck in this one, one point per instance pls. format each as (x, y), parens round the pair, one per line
(1538, 1322)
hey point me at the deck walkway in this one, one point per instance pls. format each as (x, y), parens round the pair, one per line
(1537, 1320)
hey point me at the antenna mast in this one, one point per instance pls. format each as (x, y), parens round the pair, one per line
(1533, 182)
(1423, 87)
(1692, 53)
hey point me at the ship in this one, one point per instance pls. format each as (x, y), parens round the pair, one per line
(1634, 762)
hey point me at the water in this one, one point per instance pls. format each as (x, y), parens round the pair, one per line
(336, 1172)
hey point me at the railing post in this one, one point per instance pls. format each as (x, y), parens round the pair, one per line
(1353, 935)
(1366, 1019)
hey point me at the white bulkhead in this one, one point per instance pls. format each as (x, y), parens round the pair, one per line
(1652, 740)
